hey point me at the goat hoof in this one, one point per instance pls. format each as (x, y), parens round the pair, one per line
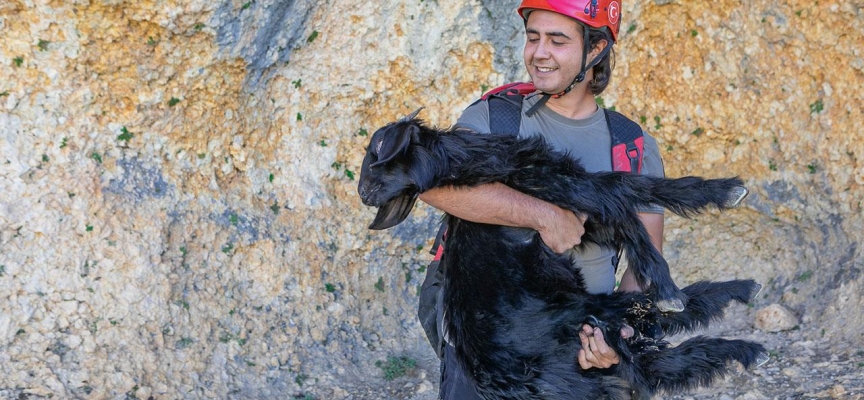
(594, 322)
(757, 288)
(670, 305)
(736, 196)
(761, 359)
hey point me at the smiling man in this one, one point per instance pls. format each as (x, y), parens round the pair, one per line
(568, 54)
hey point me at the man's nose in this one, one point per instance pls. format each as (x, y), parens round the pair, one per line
(542, 50)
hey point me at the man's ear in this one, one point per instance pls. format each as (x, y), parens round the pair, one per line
(597, 49)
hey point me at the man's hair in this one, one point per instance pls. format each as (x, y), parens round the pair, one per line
(603, 69)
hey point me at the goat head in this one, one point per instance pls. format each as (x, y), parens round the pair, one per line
(385, 181)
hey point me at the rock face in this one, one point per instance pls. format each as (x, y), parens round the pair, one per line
(178, 213)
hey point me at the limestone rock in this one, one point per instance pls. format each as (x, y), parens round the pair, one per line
(775, 318)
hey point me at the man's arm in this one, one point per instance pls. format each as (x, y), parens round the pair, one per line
(498, 204)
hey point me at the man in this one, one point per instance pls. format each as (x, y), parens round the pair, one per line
(568, 71)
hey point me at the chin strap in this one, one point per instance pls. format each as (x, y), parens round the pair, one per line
(580, 77)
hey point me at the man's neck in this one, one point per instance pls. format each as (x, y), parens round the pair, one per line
(577, 104)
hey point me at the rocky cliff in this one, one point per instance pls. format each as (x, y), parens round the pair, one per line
(178, 215)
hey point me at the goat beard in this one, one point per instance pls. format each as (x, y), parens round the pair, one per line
(393, 212)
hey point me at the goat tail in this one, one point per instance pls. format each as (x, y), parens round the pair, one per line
(690, 195)
(706, 303)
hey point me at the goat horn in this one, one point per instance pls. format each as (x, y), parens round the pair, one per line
(412, 115)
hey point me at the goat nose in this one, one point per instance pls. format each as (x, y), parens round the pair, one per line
(366, 194)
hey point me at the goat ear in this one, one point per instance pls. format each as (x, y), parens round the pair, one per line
(394, 145)
(393, 212)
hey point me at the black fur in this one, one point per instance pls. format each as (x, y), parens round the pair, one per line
(514, 308)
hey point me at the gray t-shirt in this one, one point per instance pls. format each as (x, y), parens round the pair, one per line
(588, 140)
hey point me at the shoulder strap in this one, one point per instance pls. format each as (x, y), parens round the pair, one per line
(437, 249)
(627, 150)
(505, 113)
(505, 106)
(627, 142)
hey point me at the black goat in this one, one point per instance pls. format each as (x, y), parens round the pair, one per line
(514, 308)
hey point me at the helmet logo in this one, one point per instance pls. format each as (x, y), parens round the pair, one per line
(591, 8)
(614, 12)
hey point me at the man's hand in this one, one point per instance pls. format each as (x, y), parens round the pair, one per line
(595, 353)
(563, 230)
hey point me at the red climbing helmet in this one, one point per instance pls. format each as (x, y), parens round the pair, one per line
(594, 13)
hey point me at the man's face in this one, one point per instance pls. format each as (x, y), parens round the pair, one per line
(553, 50)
